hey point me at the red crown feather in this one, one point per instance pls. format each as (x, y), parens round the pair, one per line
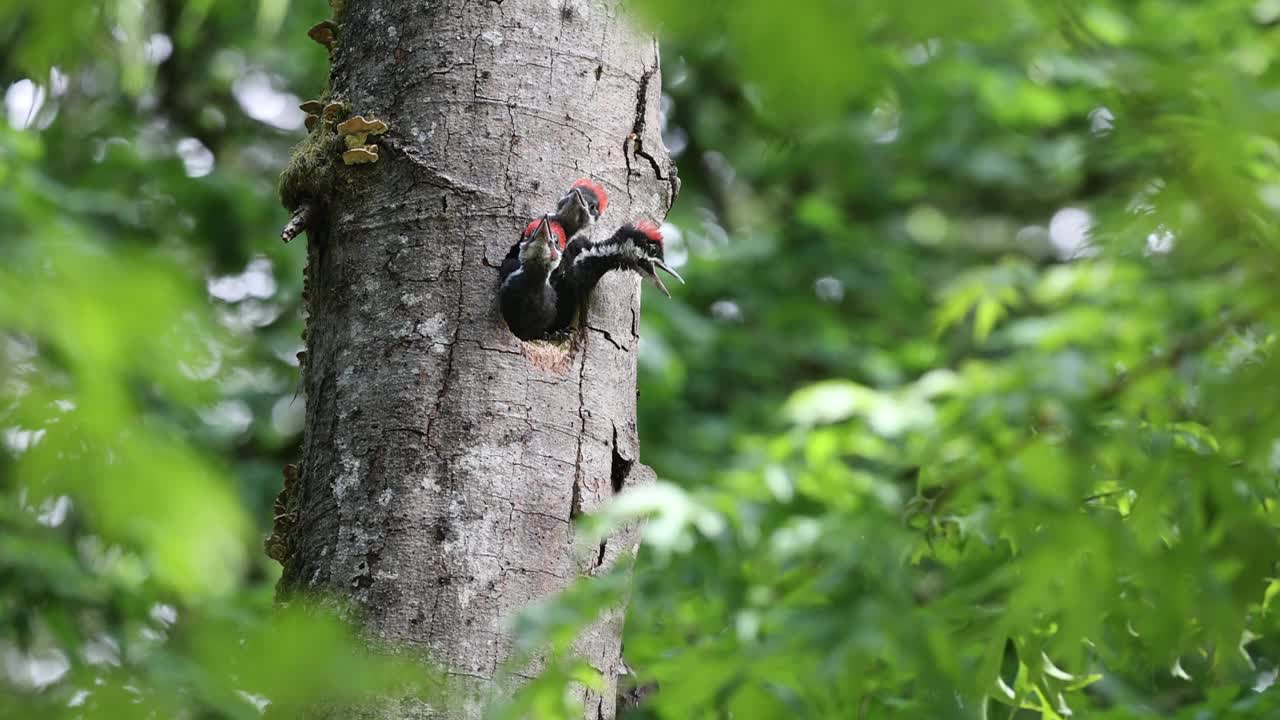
(650, 230)
(557, 231)
(601, 197)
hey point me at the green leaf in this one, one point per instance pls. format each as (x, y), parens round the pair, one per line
(987, 313)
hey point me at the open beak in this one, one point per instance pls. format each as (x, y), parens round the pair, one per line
(582, 202)
(571, 199)
(656, 265)
(544, 231)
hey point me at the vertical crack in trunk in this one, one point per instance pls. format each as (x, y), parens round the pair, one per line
(633, 145)
(619, 468)
(575, 500)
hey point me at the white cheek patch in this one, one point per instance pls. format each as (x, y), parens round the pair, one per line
(625, 249)
(595, 251)
(508, 279)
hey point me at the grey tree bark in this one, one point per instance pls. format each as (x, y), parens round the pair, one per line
(444, 460)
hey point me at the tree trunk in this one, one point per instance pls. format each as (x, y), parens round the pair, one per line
(444, 460)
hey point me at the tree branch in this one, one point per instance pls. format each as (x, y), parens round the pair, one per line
(299, 222)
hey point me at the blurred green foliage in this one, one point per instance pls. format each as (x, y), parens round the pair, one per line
(964, 411)
(148, 324)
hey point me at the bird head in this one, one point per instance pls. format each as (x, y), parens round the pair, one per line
(542, 243)
(584, 203)
(647, 239)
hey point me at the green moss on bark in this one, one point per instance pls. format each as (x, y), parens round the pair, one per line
(311, 173)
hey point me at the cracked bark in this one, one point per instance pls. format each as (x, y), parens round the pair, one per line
(444, 459)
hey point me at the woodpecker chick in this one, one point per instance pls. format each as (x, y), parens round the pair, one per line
(578, 209)
(526, 296)
(636, 247)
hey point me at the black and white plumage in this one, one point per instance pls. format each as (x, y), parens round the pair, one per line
(526, 297)
(636, 247)
(554, 266)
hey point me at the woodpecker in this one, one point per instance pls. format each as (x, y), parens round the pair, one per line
(635, 246)
(526, 296)
(578, 209)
